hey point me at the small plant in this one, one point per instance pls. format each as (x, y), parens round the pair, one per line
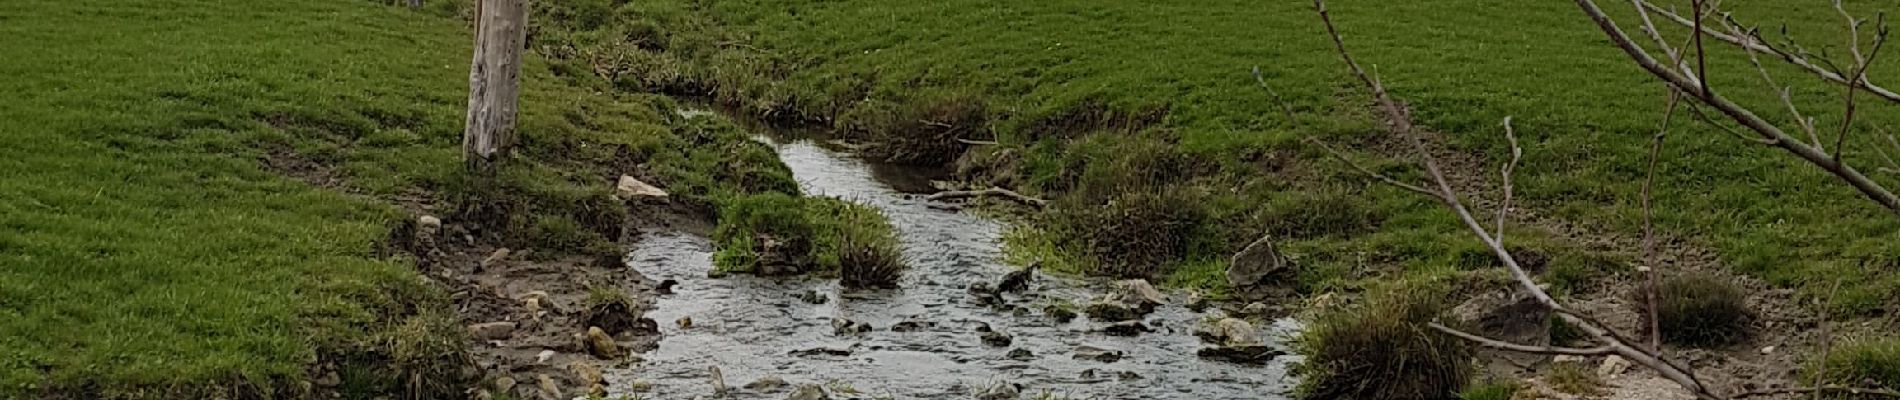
(1857, 364)
(1494, 390)
(1412, 360)
(1701, 310)
(1573, 378)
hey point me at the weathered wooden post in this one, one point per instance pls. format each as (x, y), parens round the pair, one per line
(494, 78)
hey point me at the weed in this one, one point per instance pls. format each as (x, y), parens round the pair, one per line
(1868, 362)
(1413, 361)
(1493, 390)
(1574, 378)
(1702, 310)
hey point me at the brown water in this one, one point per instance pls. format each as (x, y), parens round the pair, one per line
(753, 327)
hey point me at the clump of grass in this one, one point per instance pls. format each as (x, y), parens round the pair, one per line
(1494, 390)
(1412, 360)
(1140, 234)
(924, 131)
(1871, 362)
(869, 259)
(777, 234)
(1574, 378)
(1702, 310)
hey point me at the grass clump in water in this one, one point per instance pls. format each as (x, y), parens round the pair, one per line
(1383, 349)
(1702, 310)
(778, 234)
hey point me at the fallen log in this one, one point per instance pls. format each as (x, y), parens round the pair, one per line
(991, 192)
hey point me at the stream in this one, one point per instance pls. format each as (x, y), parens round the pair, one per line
(752, 327)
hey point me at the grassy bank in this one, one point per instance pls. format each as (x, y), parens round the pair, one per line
(195, 191)
(1114, 108)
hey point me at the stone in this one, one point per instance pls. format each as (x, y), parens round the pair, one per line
(1128, 375)
(548, 389)
(329, 379)
(1000, 391)
(1567, 358)
(629, 188)
(1021, 354)
(505, 384)
(586, 373)
(666, 286)
(996, 339)
(814, 297)
(1255, 267)
(1612, 366)
(1111, 311)
(492, 330)
(1229, 332)
(1097, 354)
(428, 225)
(1018, 280)
(1197, 302)
(1256, 309)
(684, 322)
(640, 386)
(1126, 328)
(1244, 354)
(841, 326)
(544, 356)
(718, 381)
(499, 255)
(821, 351)
(911, 326)
(766, 384)
(1141, 293)
(1768, 350)
(601, 345)
(809, 392)
(1060, 313)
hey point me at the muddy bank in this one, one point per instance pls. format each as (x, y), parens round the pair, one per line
(925, 340)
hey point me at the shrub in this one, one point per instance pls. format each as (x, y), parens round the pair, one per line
(1701, 310)
(1383, 349)
(1860, 363)
(1139, 234)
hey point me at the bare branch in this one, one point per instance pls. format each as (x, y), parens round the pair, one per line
(1861, 63)
(1517, 153)
(1651, 296)
(1787, 99)
(973, 142)
(1521, 348)
(1284, 106)
(1368, 172)
(1798, 57)
(1872, 190)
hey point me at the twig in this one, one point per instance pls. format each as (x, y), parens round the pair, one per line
(1872, 190)
(1827, 334)
(1288, 108)
(1787, 98)
(1701, 56)
(996, 192)
(1517, 153)
(1521, 348)
(976, 142)
(1649, 223)
(1368, 172)
(1861, 63)
(1798, 59)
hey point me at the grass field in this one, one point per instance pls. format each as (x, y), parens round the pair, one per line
(1100, 105)
(195, 190)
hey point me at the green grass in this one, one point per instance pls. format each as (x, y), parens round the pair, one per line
(151, 250)
(1092, 100)
(1867, 362)
(808, 234)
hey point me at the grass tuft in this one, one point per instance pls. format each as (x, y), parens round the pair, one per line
(1702, 310)
(1870, 362)
(1413, 361)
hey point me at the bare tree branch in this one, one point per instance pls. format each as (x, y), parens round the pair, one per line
(1368, 172)
(1650, 291)
(1872, 190)
(1521, 348)
(1517, 153)
(1787, 99)
(1797, 58)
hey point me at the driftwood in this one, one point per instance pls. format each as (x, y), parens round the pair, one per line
(991, 192)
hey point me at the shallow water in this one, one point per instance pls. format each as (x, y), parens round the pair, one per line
(752, 327)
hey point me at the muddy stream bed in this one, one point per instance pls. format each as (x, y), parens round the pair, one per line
(752, 327)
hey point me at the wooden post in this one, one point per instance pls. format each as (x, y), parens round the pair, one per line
(494, 78)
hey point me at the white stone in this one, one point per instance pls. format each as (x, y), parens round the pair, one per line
(629, 188)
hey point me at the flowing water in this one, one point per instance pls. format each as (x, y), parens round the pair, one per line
(753, 327)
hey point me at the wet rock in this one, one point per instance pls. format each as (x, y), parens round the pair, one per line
(1111, 311)
(814, 297)
(1229, 332)
(766, 384)
(912, 326)
(809, 392)
(1126, 328)
(1001, 391)
(1018, 280)
(841, 326)
(1021, 354)
(544, 356)
(980, 288)
(684, 322)
(1243, 354)
(996, 339)
(1097, 354)
(1256, 269)
(505, 384)
(824, 351)
(640, 386)
(1256, 309)
(1612, 366)
(585, 373)
(549, 390)
(1088, 374)
(615, 317)
(1128, 375)
(1060, 313)
(1197, 302)
(666, 286)
(1142, 294)
(629, 188)
(601, 345)
(718, 380)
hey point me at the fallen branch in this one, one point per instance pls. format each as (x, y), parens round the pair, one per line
(1523, 348)
(991, 192)
(976, 142)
